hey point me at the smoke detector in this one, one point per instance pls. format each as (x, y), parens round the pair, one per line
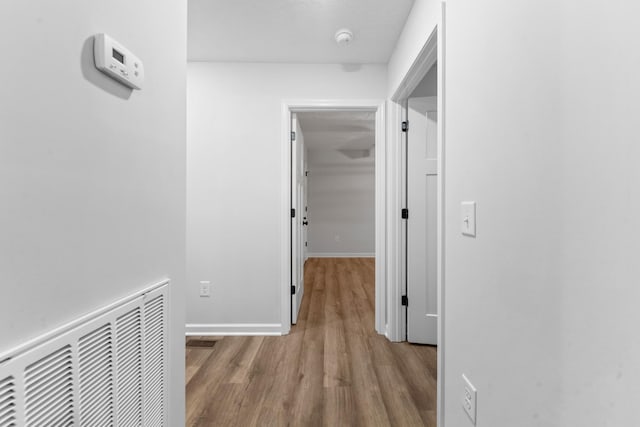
(344, 37)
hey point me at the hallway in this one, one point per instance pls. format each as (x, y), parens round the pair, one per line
(332, 369)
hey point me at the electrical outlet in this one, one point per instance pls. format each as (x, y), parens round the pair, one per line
(205, 288)
(469, 398)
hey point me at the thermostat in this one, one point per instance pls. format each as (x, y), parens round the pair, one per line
(117, 61)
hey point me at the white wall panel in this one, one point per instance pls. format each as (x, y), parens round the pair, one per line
(234, 178)
(92, 176)
(341, 210)
(541, 125)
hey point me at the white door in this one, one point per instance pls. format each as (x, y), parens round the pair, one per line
(297, 210)
(422, 226)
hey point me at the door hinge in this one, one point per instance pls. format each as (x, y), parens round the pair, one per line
(405, 126)
(405, 301)
(405, 213)
(306, 244)
(293, 213)
(293, 136)
(306, 173)
(293, 290)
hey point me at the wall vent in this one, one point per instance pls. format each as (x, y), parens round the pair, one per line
(108, 368)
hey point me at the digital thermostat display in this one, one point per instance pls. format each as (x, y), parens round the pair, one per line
(117, 62)
(118, 56)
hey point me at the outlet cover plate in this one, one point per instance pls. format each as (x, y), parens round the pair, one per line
(469, 398)
(205, 288)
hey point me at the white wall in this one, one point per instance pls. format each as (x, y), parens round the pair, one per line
(341, 200)
(234, 178)
(422, 20)
(541, 125)
(92, 177)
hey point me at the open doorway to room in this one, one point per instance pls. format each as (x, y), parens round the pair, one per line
(333, 197)
(336, 153)
(416, 109)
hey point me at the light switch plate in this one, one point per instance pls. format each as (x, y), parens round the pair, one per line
(469, 396)
(468, 219)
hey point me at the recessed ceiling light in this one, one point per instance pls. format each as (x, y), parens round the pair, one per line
(344, 37)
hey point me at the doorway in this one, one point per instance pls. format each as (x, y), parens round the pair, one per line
(293, 251)
(431, 57)
(332, 188)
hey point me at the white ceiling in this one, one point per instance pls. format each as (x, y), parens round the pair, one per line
(338, 137)
(300, 31)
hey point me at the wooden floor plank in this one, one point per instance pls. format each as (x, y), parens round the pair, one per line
(333, 369)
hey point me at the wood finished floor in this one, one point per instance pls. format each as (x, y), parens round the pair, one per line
(333, 369)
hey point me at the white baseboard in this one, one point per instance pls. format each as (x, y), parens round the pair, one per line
(231, 329)
(385, 331)
(342, 255)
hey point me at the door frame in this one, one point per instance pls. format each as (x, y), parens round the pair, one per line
(314, 105)
(432, 52)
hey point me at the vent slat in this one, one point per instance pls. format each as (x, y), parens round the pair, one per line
(96, 349)
(56, 417)
(49, 389)
(90, 360)
(127, 341)
(154, 340)
(131, 333)
(154, 312)
(7, 384)
(55, 381)
(48, 415)
(7, 398)
(96, 377)
(131, 417)
(89, 379)
(99, 409)
(129, 368)
(98, 386)
(100, 415)
(98, 334)
(61, 353)
(44, 409)
(7, 402)
(33, 372)
(132, 316)
(154, 419)
(130, 355)
(56, 396)
(7, 410)
(154, 380)
(155, 404)
(8, 414)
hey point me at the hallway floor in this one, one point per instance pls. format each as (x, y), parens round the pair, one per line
(333, 369)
